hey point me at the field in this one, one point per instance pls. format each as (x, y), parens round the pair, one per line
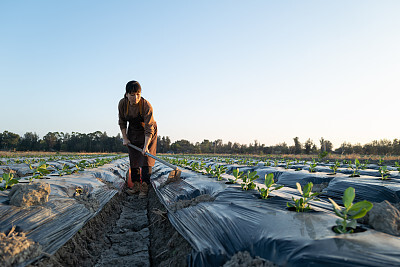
(86, 213)
(286, 210)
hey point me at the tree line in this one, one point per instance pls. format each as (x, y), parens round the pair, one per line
(100, 142)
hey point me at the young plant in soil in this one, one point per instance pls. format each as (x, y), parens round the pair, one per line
(275, 162)
(313, 164)
(9, 181)
(237, 174)
(209, 170)
(248, 180)
(39, 172)
(268, 163)
(384, 172)
(380, 162)
(270, 184)
(218, 171)
(302, 204)
(356, 168)
(195, 166)
(397, 165)
(288, 164)
(350, 213)
(335, 167)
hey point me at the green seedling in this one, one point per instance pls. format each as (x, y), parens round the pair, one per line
(248, 180)
(237, 174)
(275, 162)
(268, 163)
(355, 167)
(209, 170)
(350, 213)
(270, 184)
(335, 166)
(9, 181)
(302, 204)
(288, 164)
(313, 165)
(39, 172)
(218, 171)
(384, 172)
(397, 166)
(195, 166)
(380, 162)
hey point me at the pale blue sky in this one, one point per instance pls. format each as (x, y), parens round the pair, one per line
(231, 70)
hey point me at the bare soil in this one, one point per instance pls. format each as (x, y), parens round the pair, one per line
(128, 231)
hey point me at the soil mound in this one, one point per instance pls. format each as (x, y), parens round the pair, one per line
(15, 248)
(244, 259)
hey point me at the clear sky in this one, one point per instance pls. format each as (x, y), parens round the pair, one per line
(231, 70)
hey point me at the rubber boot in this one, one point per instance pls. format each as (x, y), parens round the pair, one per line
(135, 189)
(144, 189)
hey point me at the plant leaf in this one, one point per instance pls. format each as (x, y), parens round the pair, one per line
(348, 197)
(299, 188)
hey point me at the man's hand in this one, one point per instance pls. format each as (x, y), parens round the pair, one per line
(145, 150)
(125, 141)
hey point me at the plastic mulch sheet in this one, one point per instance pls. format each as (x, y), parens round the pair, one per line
(54, 223)
(239, 220)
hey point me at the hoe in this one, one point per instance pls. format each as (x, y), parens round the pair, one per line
(173, 176)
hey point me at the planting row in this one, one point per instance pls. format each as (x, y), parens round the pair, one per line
(17, 170)
(249, 207)
(46, 213)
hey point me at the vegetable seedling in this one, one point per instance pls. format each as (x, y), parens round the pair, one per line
(9, 181)
(270, 184)
(248, 180)
(384, 172)
(350, 213)
(356, 168)
(335, 167)
(237, 174)
(302, 204)
(313, 164)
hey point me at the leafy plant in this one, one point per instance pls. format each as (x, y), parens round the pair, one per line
(248, 180)
(380, 162)
(288, 164)
(350, 213)
(356, 168)
(9, 181)
(384, 172)
(397, 166)
(237, 174)
(218, 171)
(209, 170)
(302, 204)
(275, 162)
(335, 166)
(270, 184)
(39, 172)
(313, 165)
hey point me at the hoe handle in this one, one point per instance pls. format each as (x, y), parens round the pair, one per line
(154, 157)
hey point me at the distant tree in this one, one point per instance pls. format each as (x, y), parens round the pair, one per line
(9, 140)
(308, 146)
(297, 145)
(30, 141)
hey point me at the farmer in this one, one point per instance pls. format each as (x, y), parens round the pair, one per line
(141, 132)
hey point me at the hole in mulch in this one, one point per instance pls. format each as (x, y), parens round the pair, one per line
(306, 211)
(358, 229)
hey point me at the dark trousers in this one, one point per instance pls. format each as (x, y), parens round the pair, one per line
(146, 173)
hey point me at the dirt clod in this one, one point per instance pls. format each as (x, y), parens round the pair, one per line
(25, 195)
(244, 259)
(15, 248)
